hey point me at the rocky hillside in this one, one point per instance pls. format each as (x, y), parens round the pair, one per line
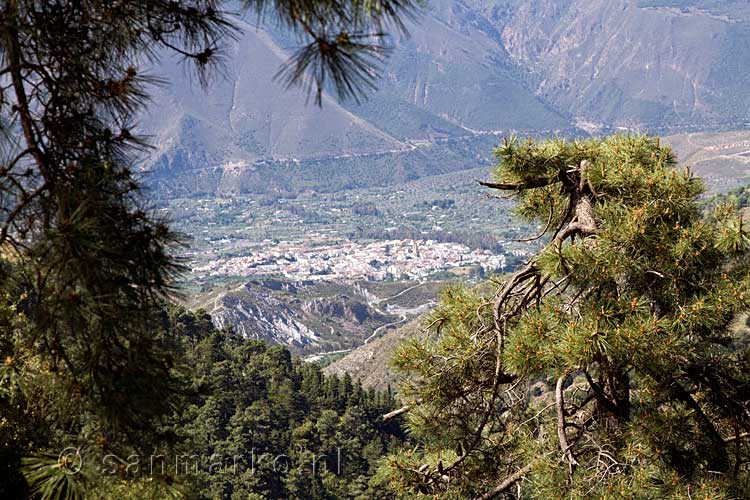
(314, 318)
(661, 64)
(306, 316)
(470, 70)
(370, 363)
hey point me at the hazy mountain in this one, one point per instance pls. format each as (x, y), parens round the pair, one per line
(663, 64)
(244, 117)
(471, 70)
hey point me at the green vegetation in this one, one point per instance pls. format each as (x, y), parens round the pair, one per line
(609, 366)
(738, 197)
(88, 364)
(248, 422)
(284, 430)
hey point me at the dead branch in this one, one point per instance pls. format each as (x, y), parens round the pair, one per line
(400, 411)
(560, 402)
(396, 413)
(505, 186)
(736, 437)
(507, 483)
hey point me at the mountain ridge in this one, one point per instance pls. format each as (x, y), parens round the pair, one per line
(469, 69)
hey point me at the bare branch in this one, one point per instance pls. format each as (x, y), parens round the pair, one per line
(736, 437)
(396, 413)
(505, 186)
(560, 402)
(507, 483)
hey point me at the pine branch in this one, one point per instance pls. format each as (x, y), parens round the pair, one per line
(15, 65)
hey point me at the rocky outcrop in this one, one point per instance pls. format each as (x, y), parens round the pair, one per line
(344, 307)
(308, 317)
(265, 317)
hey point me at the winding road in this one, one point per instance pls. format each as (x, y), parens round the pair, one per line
(375, 304)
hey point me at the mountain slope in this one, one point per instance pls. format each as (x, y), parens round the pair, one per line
(470, 71)
(245, 117)
(369, 364)
(652, 64)
(306, 316)
(217, 141)
(453, 68)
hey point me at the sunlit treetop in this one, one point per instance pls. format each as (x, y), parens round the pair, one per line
(610, 365)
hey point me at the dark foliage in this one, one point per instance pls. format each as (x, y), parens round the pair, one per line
(85, 267)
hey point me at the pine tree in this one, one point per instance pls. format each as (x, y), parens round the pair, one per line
(84, 265)
(609, 366)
